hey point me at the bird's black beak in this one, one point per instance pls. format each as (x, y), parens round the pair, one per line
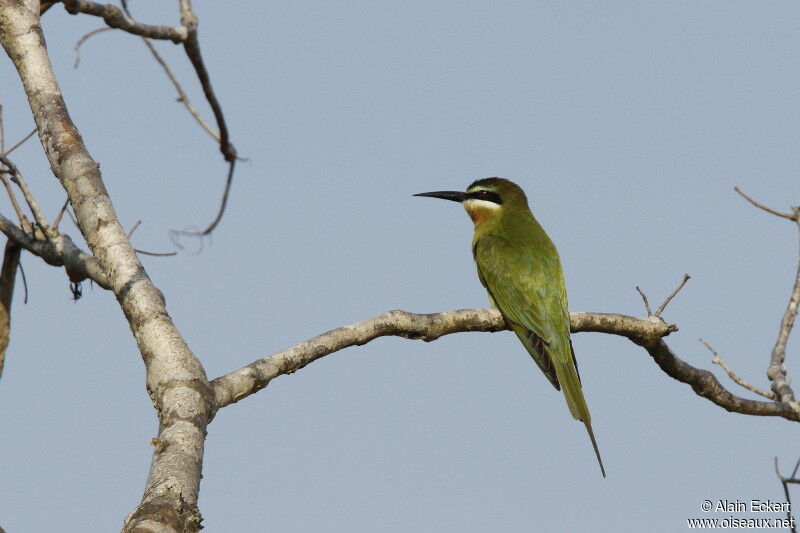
(456, 196)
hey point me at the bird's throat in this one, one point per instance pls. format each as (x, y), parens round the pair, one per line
(478, 213)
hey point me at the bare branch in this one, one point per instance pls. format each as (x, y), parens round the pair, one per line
(59, 252)
(718, 360)
(776, 371)
(775, 212)
(245, 381)
(114, 17)
(646, 332)
(8, 274)
(686, 277)
(176, 380)
(192, 49)
(705, 384)
(84, 39)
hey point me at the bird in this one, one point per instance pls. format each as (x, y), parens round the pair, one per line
(520, 268)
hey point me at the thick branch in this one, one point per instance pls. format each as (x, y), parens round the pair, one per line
(176, 380)
(115, 18)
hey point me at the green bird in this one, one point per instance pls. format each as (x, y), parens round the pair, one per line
(519, 266)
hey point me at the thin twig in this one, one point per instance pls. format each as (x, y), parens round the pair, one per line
(23, 220)
(20, 143)
(8, 274)
(765, 208)
(145, 252)
(192, 48)
(155, 254)
(38, 216)
(83, 40)
(24, 282)
(182, 96)
(785, 482)
(60, 215)
(134, 228)
(686, 277)
(72, 217)
(646, 302)
(2, 132)
(718, 360)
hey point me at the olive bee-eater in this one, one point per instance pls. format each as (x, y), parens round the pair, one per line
(519, 266)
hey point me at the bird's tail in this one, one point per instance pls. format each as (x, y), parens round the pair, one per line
(567, 372)
(594, 445)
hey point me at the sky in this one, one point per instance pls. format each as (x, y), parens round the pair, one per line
(627, 123)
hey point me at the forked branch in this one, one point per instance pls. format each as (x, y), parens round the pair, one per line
(776, 371)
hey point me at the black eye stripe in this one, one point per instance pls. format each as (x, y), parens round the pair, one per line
(483, 194)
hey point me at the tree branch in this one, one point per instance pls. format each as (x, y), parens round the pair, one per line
(114, 17)
(8, 274)
(776, 371)
(646, 332)
(33, 205)
(176, 380)
(59, 252)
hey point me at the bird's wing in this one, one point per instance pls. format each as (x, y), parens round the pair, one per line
(528, 289)
(525, 290)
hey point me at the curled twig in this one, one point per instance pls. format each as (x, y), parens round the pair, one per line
(212, 226)
(85, 38)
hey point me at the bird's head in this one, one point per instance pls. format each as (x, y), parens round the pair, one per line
(487, 199)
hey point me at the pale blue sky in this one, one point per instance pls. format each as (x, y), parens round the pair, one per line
(627, 123)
